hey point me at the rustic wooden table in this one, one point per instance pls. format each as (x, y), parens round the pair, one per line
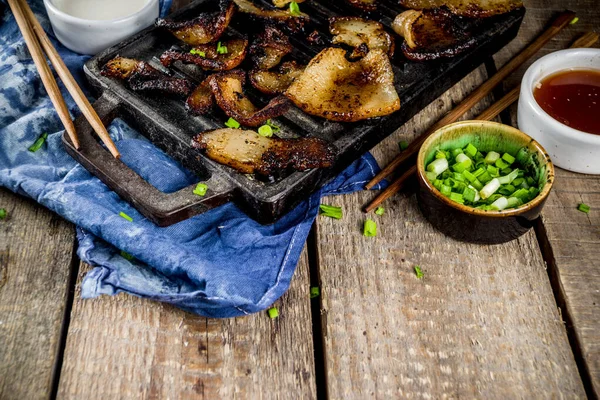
(519, 320)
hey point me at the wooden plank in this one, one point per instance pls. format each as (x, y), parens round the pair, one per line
(129, 348)
(36, 248)
(483, 322)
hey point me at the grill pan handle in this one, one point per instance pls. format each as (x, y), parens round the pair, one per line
(163, 209)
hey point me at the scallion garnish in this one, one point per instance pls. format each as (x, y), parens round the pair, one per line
(315, 292)
(3, 213)
(201, 189)
(125, 216)
(418, 272)
(489, 182)
(403, 144)
(274, 127)
(265, 131)
(127, 256)
(232, 123)
(370, 228)
(273, 312)
(39, 142)
(584, 208)
(380, 211)
(197, 52)
(295, 9)
(221, 49)
(331, 211)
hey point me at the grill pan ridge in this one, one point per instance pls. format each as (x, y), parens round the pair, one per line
(167, 124)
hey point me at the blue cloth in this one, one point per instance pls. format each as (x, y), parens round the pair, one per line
(218, 264)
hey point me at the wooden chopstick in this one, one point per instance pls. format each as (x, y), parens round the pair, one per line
(65, 75)
(587, 40)
(478, 94)
(44, 70)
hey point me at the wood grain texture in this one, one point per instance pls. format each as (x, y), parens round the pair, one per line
(483, 322)
(574, 239)
(35, 258)
(128, 348)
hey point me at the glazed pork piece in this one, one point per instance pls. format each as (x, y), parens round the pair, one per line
(248, 152)
(282, 18)
(362, 34)
(142, 77)
(208, 57)
(364, 5)
(269, 48)
(204, 29)
(339, 90)
(278, 81)
(466, 8)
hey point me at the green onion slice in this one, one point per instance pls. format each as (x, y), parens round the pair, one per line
(380, 211)
(201, 189)
(418, 272)
(221, 49)
(197, 52)
(370, 228)
(39, 142)
(265, 131)
(3, 213)
(584, 208)
(273, 312)
(125, 216)
(295, 9)
(331, 211)
(315, 292)
(232, 123)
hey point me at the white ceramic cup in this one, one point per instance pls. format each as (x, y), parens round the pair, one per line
(568, 148)
(92, 36)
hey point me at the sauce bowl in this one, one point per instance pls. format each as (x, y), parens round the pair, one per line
(469, 224)
(569, 148)
(86, 36)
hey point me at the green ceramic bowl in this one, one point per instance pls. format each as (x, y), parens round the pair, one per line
(463, 222)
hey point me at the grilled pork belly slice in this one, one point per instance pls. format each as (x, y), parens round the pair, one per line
(276, 16)
(276, 82)
(249, 153)
(466, 8)
(227, 87)
(431, 34)
(207, 57)
(358, 33)
(269, 48)
(201, 100)
(339, 90)
(142, 77)
(364, 5)
(201, 30)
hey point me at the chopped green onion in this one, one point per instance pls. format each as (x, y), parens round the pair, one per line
(462, 157)
(431, 176)
(403, 145)
(492, 157)
(446, 190)
(197, 52)
(221, 49)
(380, 211)
(201, 189)
(438, 166)
(127, 256)
(456, 152)
(489, 189)
(504, 180)
(500, 164)
(273, 312)
(331, 211)
(574, 21)
(274, 127)
(508, 158)
(3, 213)
(232, 123)
(500, 204)
(265, 131)
(514, 202)
(469, 194)
(471, 150)
(295, 9)
(39, 142)
(457, 197)
(584, 208)
(315, 292)
(440, 154)
(418, 272)
(370, 228)
(125, 216)
(485, 177)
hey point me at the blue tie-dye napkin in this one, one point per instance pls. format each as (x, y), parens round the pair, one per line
(219, 264)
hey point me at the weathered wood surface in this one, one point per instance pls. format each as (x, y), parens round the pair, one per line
(483, 322)
(35, 258)
(126, 347)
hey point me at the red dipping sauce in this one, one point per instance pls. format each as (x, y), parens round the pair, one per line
(573, 98)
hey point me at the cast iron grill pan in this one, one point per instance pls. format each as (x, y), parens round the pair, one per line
(167, 124)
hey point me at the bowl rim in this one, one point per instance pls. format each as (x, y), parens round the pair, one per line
(529, 82)
(470, 210)
(68, 17)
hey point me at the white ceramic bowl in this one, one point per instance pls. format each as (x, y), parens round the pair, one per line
(92, 36)
(569, 148)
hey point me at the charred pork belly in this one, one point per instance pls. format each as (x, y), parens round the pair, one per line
(142, 77)
(201, 100)
(466, 8)
(221, 56)
(276, 82)
(204, 29)
(294, 22)
(227, 87)
(339, 90)
(249, 153)
(432, 34)
(362, 34)
(364, 5)
(269, 48)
